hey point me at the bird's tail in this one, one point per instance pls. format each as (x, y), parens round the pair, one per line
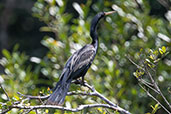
(58, 96)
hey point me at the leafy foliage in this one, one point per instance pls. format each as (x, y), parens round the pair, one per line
(131, 29)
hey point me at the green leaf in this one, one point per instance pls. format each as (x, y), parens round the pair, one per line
(151, 57)
(16, 97)
(150, 51)
(0, 106)
(155, 52)
(32, 112)
(164, 49)
(149, 65)
(6, 53)
(116, 112)
(160, 50)
(152, 107)
(9, 103)
(47, 111)
(99, 109)
(155, 108)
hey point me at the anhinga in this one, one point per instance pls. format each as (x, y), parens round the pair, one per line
(77, 65)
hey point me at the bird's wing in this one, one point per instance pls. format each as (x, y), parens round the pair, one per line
(79, 60)
(83, 59)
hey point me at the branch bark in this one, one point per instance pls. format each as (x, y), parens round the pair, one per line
(109, 104)
(5, 92)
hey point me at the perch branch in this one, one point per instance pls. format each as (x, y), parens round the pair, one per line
(109, 104)
(81, 107)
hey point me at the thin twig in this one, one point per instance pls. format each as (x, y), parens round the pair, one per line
(139, 67)
(165, 99)
(151, 77)
(149, 86)
(29, 111)
(33, 97)
(157, 87)
(5, 92)
(153, 85)
(150, 95)
(6, 110)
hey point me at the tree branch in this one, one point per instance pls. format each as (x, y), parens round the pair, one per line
(150, 95)
(33, 97)
(81, 107)
(151, 85)
(129, 58)
(109, 104)
(5, 92)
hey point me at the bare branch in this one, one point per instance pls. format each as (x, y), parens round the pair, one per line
(29, 111)
(5, 92)
(33, 97)
(135, 63)
(81, 107)
(148, 83)
(157, 87)
(151, 84)
(96, 93)
(143, 82)
(109, 104)
(150, 95)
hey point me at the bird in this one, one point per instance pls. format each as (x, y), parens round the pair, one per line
(78, 64)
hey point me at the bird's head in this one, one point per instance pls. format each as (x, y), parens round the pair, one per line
(98, 17)
(94, 23)
(101, 15)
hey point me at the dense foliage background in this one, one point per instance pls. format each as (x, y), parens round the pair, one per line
(40, 38)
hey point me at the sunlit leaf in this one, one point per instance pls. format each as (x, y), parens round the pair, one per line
(9, 103)
(160, 50)
(164, 49)
(99, 109)
(151, 57)
(0, 106)
(47, 111)
(16, 97)
(32, 112)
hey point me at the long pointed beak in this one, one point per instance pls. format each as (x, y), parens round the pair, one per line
(110, 12)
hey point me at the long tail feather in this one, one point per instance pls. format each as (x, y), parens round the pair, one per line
(58, 96)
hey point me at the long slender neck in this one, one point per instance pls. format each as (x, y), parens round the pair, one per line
(94, 36)
(93, 32)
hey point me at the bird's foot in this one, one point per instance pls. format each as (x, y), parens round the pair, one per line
(78, 81)
(83, 82)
